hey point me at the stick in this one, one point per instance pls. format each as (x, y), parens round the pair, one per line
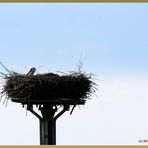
(5, 67)
(72, 109)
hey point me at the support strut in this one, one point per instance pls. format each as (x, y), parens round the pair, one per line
(48, 122)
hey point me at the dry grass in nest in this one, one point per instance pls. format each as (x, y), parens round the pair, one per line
(76, 86)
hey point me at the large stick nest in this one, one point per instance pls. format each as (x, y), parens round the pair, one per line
(48, 86)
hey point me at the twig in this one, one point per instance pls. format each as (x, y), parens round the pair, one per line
(72, 109)
(5, 67)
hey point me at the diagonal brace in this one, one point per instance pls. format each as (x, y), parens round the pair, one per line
(33, 112)
(65, 108)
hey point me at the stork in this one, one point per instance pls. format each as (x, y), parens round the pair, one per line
(31, 72)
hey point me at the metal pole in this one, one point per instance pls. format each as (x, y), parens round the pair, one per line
(48, 122)
(47, 132)
(47, 126)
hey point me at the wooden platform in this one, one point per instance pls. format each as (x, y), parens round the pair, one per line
(59, 101)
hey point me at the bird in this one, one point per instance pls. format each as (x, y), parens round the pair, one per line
(31, 72)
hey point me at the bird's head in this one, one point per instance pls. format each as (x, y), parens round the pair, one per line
(33, 69)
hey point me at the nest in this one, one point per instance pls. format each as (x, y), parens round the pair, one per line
(74, 87)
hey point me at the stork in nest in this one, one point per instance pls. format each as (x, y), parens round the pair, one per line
(31, 72)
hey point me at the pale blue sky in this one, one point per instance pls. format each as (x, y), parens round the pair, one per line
(112, 41)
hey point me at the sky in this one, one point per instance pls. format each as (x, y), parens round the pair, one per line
(110, 39)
